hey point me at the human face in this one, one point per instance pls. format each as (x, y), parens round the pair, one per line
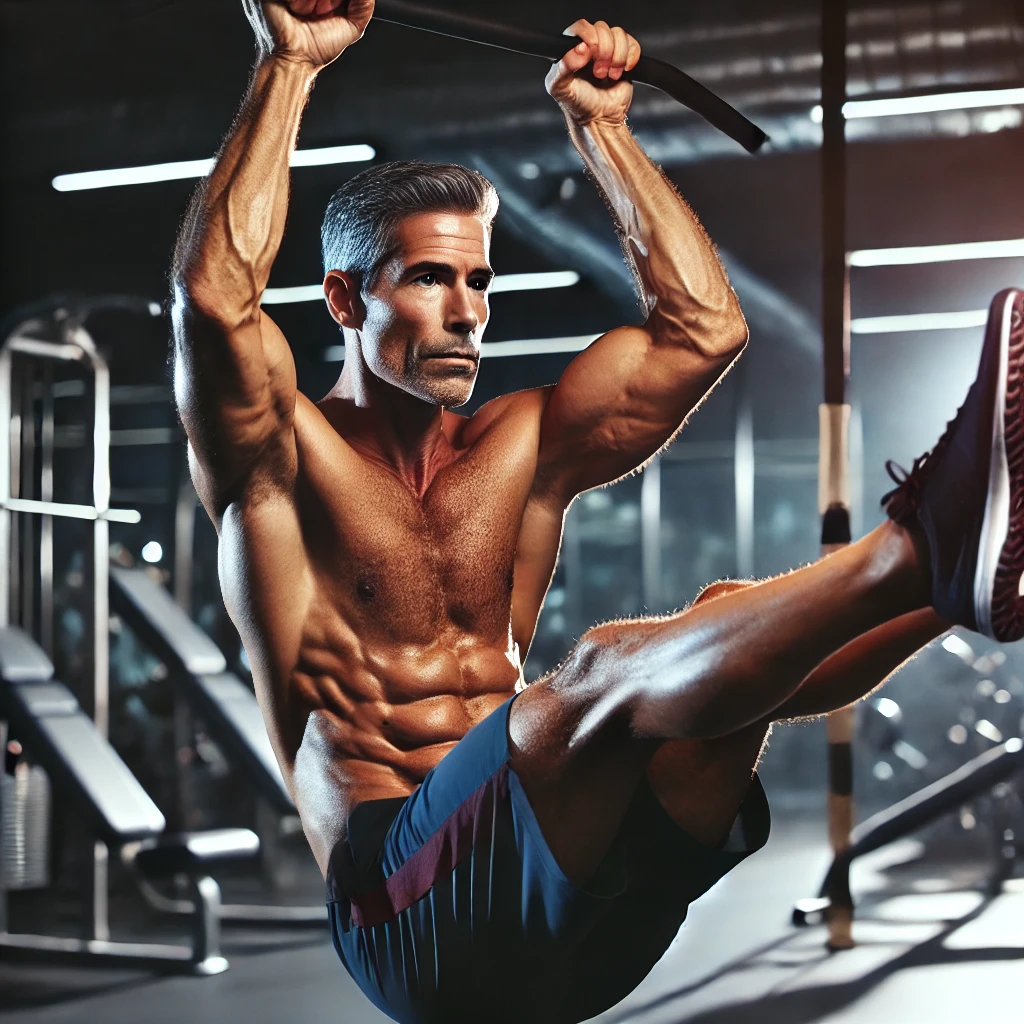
(426, 313)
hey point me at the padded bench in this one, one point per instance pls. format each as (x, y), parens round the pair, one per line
(83, 765)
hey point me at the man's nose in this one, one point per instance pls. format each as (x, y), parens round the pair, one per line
(464, 315)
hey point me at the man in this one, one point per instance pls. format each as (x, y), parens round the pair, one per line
(385, 561)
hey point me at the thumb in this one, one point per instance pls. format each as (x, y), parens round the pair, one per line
(578, 57)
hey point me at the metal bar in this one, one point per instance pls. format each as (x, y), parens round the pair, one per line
(834, 485)
(5, 485)
(45, 349)
(650, 534)
(26, 472)
(67, 511)
(46, 609)
(649, 71)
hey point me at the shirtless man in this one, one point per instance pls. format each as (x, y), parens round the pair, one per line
(492, 857)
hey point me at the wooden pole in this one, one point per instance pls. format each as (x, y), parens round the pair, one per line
(834, 458)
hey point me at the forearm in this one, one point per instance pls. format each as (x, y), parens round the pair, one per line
(683, 285)
(235, 224)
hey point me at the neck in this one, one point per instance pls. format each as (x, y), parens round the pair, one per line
(389, 424)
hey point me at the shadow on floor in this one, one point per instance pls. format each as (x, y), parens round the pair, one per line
(807, 1005)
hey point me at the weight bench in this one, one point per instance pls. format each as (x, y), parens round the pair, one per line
(228, 707)
(87, 770)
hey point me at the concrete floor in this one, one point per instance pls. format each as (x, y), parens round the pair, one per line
(931, 951)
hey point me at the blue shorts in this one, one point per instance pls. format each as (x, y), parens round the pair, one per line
(448, 906)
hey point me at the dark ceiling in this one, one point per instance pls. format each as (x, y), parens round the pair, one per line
(89, 84)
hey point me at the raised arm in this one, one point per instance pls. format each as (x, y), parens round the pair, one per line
(628, 394)
(234, 376)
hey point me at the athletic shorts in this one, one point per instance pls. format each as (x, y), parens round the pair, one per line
(448, 906)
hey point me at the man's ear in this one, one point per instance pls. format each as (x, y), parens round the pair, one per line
(344, 300)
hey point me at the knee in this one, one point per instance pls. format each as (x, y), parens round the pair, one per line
(720, 589)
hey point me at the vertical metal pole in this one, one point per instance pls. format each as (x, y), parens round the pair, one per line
(5, 486)
(24, 542)
(16, 449)
(45, 521)
(743, 473)
(650, 535)
(101, 596)
(834, 477)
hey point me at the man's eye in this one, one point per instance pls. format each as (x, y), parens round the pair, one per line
(480, 284)
(427, 279)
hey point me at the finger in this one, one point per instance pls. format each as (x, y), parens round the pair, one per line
(619, 54)
(576, 59)
(581, 54)
(635, 51)
(606, 47)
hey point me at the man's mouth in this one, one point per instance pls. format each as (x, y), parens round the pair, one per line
(469, 357)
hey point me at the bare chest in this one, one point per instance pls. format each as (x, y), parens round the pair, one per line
(416, 567)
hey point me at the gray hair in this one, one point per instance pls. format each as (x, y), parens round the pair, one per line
(358, 230)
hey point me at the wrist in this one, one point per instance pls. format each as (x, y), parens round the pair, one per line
(292, 64)
(574, 119)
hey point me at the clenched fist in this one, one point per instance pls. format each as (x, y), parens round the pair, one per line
(315, 31)
(612, 52)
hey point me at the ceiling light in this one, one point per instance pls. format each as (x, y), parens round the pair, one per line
(199, 168)
(919, 322)
(930, 104)
(915, 254)
(501, 283)
(152, 551)
(503, 349)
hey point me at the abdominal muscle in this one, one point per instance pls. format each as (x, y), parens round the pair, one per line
(372, 738)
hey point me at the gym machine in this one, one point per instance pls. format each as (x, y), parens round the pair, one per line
(70, 746)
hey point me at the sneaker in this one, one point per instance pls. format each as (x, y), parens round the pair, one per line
(967, 494)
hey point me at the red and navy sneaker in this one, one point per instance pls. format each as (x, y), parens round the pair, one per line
(967, 494)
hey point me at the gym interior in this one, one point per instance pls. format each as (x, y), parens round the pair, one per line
(153, 865)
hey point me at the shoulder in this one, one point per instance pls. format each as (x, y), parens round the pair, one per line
(520, 412)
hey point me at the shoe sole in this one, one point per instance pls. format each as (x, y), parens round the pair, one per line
(998, 576)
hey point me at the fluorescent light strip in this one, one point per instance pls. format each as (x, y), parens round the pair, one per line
(501, 283)
(919, 322)
(504, 349)
(200, 168)
(534, 282)
(930, 104)
(915, 254)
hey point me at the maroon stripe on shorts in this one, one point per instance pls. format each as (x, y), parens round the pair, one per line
(438, 856)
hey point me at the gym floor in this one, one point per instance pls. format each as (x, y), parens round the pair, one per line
(932, 949)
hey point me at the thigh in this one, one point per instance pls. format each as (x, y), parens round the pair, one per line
(578, 765)
(579, 761)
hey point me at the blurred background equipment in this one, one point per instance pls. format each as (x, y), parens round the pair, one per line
(68, 745)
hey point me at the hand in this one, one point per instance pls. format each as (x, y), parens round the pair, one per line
(604, 97)
(315, 31)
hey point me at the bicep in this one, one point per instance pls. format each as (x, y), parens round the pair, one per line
(235, 388)
(617, 404)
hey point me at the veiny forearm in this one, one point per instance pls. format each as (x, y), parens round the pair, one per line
(683, 284)
(234, 227)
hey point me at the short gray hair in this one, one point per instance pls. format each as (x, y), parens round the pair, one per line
(358, 230)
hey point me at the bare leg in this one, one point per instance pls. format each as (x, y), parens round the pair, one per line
(683, 772)
(583, 738)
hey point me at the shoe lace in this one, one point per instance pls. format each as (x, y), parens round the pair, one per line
(903, 501)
